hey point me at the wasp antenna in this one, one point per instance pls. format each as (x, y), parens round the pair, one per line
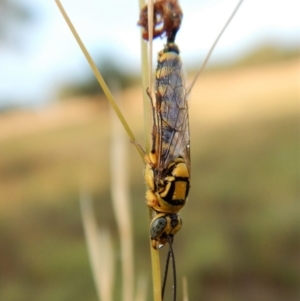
(174, 270)
(165, 275)
(172, 257)
(213, 47)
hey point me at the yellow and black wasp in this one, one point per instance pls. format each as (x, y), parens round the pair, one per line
(167, 172)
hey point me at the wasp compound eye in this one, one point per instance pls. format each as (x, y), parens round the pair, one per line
(158, 227)
(163, 227)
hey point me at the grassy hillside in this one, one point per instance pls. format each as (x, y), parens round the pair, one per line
(240, 238)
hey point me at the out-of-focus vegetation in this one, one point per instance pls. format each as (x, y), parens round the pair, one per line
(113, 75)
(240, 237)
(263, 54)
(267, 54)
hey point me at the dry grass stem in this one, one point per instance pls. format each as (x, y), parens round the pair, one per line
(100, 250)
(145, 82)
(142, 288)
(213, 47)
(185, 289)
(121, 204)
(147, 73)
(98, 76)
(150, 54)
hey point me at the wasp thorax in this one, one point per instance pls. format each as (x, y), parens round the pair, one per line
(168, 191)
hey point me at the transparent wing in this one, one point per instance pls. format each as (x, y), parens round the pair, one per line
(172, 112)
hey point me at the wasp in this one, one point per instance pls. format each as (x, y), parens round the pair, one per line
(167, 172)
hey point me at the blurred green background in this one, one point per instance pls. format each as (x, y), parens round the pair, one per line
(240, 237)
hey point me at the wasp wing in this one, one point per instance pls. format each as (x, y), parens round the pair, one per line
(173, 138)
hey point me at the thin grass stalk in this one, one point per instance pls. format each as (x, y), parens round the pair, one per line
(145, 82)
(147, 74)
(100, 249)
(121, 203)
(99, 77)
(185, 289)
(141, 292)
(150, 47)
(213, 47)
(145, 65)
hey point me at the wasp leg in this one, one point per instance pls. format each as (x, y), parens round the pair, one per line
(153, 155)
(154, 131)
(138, 146)
(151, 199)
